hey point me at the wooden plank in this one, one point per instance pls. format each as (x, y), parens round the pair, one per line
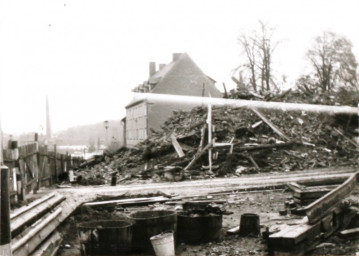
(248, 188)
(289, 237)
(265, 146)
(253, 162)
(304, 201)
(334, 181)
(26, 244)
(177, 146)
(55, 164)
(24, 209)
(256, 124)
(139, 200)
(50, 246)
(349, 233)
(270, 124)
(233, 231)
(222, 144)
(294, 188)
(324, 205)
(348, 139)
(22, 169)
(296, 185)
(311, 194)
(38, 173)
(28, 150)
(197, 156)
(28, 218)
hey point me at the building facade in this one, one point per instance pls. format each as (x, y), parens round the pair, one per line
(179, 77)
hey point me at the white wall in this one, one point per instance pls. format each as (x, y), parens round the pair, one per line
(136, 124)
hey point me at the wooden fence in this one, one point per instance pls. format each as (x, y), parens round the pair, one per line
(33, 166)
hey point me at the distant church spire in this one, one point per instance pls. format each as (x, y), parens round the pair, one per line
(48, 121)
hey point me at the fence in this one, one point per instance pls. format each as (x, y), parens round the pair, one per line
(33, 166)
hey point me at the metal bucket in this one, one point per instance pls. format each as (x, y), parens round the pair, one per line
(105, 237)
(151, 223)
(249, 225)
(199, 229)
(163, 244)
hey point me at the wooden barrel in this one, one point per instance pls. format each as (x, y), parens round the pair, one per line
(199, 229)
(151, 223)
(105, 237)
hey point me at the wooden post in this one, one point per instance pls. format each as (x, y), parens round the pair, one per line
(5, 233)
(209, 122)
(55, 153)
(68, 161)
(225, 91)
(62, 163)
(37, 168)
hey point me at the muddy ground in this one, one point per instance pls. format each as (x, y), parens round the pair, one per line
(265, 203)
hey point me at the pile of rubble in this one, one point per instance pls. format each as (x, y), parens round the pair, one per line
(244, 141)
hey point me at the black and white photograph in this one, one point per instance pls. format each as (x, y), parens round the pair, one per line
(179, 127)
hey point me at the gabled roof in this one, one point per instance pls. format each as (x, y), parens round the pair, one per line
(157, 77)
(174, 75)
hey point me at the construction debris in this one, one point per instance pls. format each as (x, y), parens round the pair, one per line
(243, 139)
(324, 216)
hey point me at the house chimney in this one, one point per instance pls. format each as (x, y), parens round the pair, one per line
(152, 68)
(176, 56)
(161, 66)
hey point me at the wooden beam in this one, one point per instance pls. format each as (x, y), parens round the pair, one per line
(197, 156)
(291, 236)
(348, 139)
(223, 144)
(233, 231)
(50, 246)
(201, 143)
(28, 218)
(266, 146)
(31, 205)
(26, 244)
(313, 192)
(253, 126)
(270, 124)
(349, 233)
(177, 146)
(253, 162)
(128, 201)
(326, 204)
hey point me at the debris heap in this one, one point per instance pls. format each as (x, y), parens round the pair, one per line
(244, 141)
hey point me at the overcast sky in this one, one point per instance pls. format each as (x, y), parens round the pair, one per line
(87, 55)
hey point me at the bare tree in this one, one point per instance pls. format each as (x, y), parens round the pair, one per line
(333, 61)
(265, 50)
(258, 48)
(250, 50)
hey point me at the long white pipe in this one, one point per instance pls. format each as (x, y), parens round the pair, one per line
(283, 106)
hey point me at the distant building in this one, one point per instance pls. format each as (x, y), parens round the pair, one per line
(180, 77)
